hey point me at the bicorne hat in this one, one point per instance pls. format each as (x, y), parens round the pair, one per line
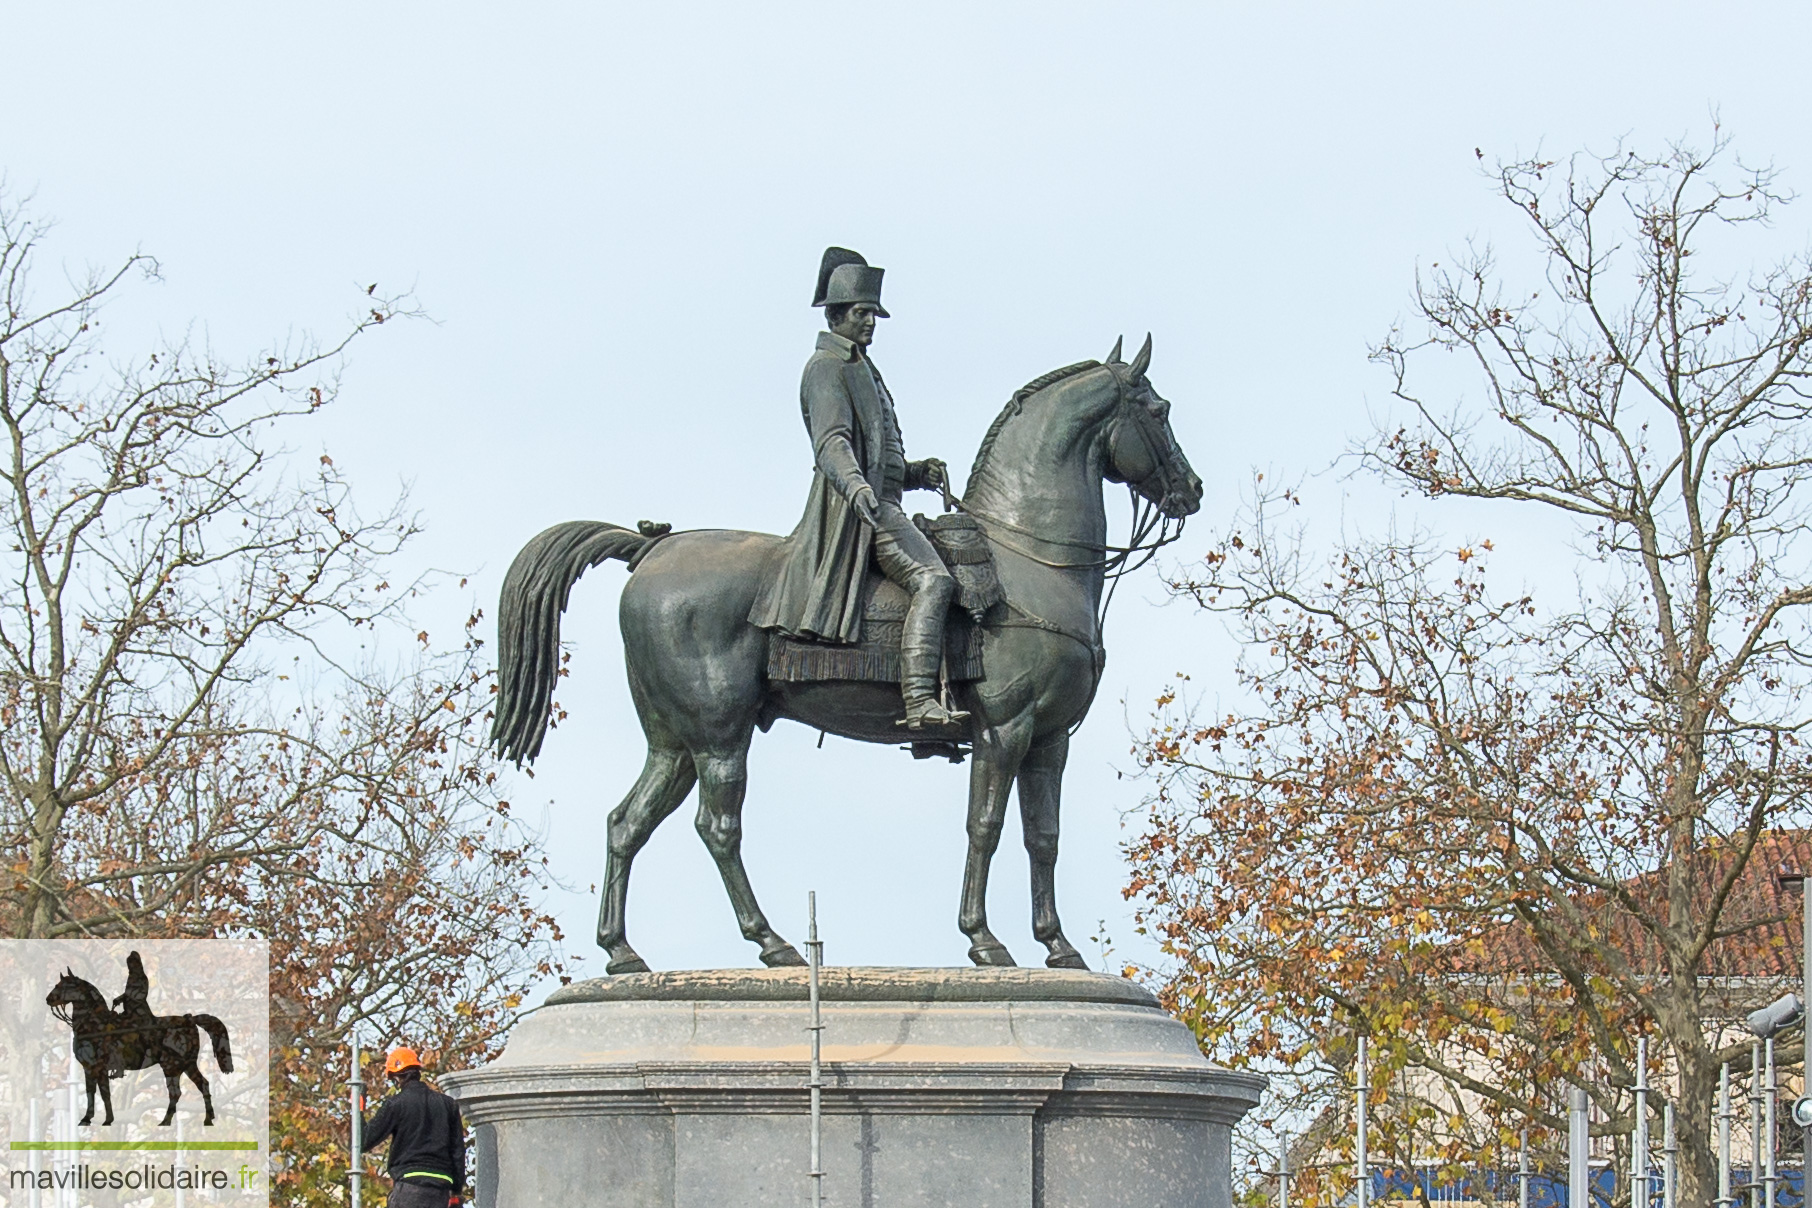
(845, 277)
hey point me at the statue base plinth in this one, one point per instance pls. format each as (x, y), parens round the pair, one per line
(986, 1088)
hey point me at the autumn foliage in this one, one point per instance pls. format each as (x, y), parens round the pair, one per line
(1503, 832)
(217, 716)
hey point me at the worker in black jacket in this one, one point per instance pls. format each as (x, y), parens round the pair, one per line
(427, 1140)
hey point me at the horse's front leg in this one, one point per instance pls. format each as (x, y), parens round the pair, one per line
(1040, 793)
(172, 1082)
(723, 780)
(88, 1079)
(994, 763)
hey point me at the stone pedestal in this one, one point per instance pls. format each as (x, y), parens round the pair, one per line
(984, 1088)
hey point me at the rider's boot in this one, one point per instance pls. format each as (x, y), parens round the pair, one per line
(921, 652)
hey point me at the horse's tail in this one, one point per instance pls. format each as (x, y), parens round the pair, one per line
(528, 621)
(217, 1032)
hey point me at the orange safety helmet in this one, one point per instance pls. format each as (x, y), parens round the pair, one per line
(401, 1059)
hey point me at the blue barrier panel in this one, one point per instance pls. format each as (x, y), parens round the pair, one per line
(1545, 1190)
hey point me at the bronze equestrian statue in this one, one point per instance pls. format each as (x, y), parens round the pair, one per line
(726, 632)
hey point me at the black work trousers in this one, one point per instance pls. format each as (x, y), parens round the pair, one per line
(414, 1195)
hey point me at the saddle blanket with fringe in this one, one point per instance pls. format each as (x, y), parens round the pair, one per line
(964, 549)
(877, 656)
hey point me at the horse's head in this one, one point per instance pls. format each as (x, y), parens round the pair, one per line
(1141, 445)
(72, 992)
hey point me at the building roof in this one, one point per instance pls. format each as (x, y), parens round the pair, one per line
(1761, 921)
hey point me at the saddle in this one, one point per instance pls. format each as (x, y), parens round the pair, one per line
(963, 546)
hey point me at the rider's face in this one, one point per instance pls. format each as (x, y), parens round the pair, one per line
(858, 324)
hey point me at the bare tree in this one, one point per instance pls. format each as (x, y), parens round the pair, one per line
(215, 716)
(1505, 836)
(156, 556)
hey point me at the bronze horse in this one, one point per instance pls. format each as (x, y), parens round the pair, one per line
(107, 1042)
(697, 667)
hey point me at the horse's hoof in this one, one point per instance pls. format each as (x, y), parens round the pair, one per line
(783, 956)
(994, 953)
(1063, 954)
(626, 961)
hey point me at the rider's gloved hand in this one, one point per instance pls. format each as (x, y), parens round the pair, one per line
(934, 474)
(866, 505)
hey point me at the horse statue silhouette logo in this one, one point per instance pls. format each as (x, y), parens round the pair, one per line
(111, 1039)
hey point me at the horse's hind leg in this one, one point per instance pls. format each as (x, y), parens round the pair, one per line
(666, 778)
(723, 780)
(1040, 786)
(207, 1098)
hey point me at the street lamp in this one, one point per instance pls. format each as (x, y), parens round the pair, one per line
(1775, 1018)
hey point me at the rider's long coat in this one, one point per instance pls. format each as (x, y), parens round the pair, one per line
(818, 590)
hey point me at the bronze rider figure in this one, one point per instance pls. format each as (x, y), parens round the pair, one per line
(853, 510)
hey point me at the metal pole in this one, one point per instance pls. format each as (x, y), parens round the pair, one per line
(356, 1177)
(1769, 1181)
(1805, 1002)
(1364, 1168)
(1579, 1153)
(1639, 1184)
(1283, 1171)
(1670, 1157)
(69, 1195)
(37, 1134)
(1724, 1137)
(1755, 1114)
(815, 949)
(1522, 1172)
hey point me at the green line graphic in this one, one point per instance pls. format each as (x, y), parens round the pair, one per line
(163, 1146)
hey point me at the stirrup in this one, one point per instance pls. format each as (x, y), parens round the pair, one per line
(928, 714)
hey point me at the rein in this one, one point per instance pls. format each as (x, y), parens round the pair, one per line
(1146, 515)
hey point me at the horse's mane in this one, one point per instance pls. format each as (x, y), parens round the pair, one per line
(1018, 402)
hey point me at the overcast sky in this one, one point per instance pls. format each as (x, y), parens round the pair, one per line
(614, 215)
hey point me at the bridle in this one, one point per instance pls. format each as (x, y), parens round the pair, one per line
(1151, 526)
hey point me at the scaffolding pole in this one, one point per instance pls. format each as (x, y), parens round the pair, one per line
(1724, 1200)
(1522, 1172)
(1756, 1161)
(1769, 1178)
(1364, 1170)
(36, 1134)
(356, 1100)
(1639, 1177)
(815, 949)
(1670, 1158)
(1579, 1149)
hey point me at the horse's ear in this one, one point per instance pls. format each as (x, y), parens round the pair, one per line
(1113, 358)
(1142, 362)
